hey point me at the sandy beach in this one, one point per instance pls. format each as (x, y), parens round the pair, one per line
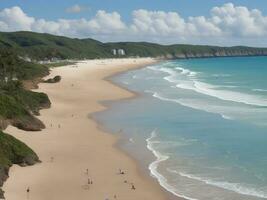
(72, 143)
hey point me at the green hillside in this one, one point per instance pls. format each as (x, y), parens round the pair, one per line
(12, 151)
(41, 46)
(18, 107)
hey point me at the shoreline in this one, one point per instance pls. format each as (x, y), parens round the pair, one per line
(47, 182)
(122, 139)
(142, 169)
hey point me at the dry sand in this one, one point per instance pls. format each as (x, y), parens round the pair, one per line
(78, 144)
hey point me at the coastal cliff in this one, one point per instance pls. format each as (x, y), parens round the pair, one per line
(46, 47)
(221, 53)
(13, 151)
(18, 107)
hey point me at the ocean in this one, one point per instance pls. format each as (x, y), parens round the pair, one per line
(199, 125)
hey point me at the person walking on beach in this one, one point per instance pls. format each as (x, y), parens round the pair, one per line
(121, 172)
(133, 187)
(28, 192)
(89, 182)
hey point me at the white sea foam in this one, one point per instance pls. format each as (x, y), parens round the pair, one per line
(208, 89)
(227, 117)
(154, 166)
(227, 95)
(195, 106)
(211, 90)
(173, 74)
(125, 82)
(155, 94)
(221, 75)
(235, 187)
(259, 90)
(225, 86)
(186, 71)
(131, 140)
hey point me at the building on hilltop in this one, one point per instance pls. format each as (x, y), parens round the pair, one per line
(114, 52)
(121, 52)
(118, 52)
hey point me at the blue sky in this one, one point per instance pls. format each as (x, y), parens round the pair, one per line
(216, 22)
(54, 9)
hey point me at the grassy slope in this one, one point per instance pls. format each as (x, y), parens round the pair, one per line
(40, 46)
(12, 151)
(11, 64)
(17, 106)
(16, 103)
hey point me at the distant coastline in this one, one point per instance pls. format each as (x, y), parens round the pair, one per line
(46, 47)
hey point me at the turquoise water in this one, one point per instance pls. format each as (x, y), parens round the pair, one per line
(205, 123)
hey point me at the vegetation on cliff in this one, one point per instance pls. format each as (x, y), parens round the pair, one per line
(18, 107)
(40, 46)
(12, 151)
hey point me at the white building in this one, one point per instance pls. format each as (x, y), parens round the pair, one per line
(114, 52)
(118, 52)
(121, 52)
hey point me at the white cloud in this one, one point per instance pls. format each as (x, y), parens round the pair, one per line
(227, 24)
(157, 23)
(239, 21)
(15, 19)
(77, 9)
(106, 23)
(103, 23)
